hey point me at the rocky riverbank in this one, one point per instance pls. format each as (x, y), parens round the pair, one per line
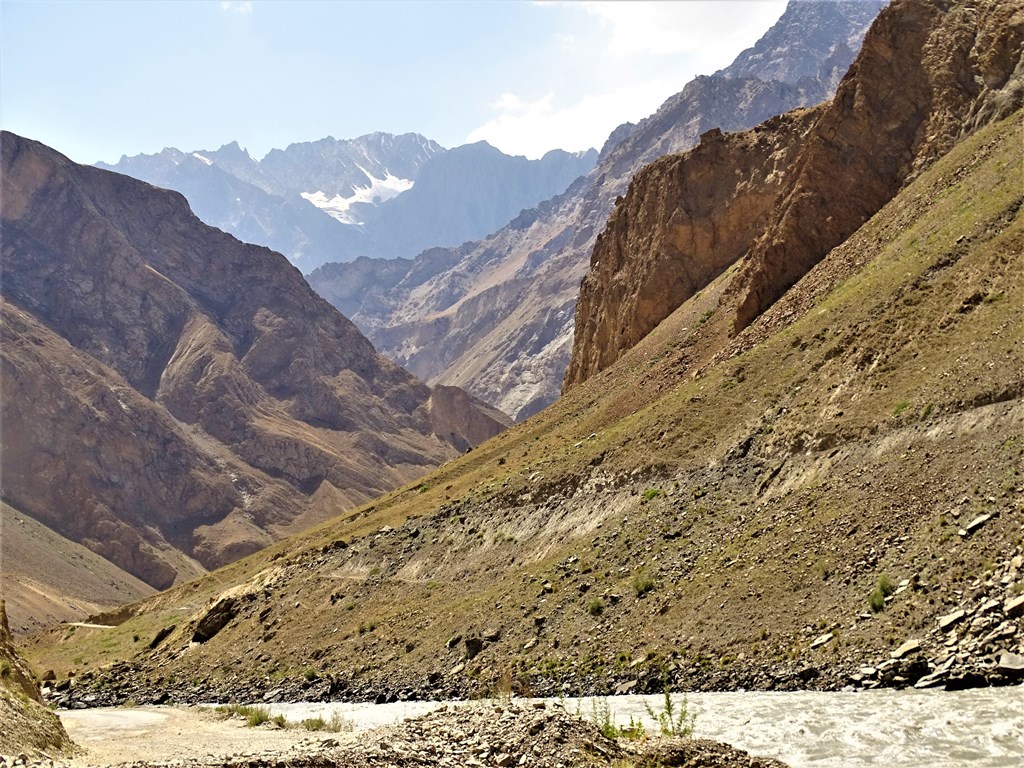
(488, 735)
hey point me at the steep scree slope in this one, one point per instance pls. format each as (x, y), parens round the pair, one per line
(172, 395)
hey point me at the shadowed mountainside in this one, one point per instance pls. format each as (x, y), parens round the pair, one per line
(175, 399)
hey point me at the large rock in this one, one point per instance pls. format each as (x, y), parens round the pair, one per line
(27, 723)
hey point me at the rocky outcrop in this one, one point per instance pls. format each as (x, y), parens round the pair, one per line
(927, 76)
(461, 419)
(685, 219)
(27, 723)
(496, 316)
(176, 399)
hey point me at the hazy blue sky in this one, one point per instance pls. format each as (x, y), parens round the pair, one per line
(96, 80)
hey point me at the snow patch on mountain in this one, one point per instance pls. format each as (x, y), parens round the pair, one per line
(378, 191)
(206, 160)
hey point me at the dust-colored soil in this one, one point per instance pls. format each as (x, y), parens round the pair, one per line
(160, 734)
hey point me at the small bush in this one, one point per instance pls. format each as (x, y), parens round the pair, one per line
(254, 715)
(883, 588)
(601, 716)
(314, 724)
(5, 668)
(336, 724)
(642, 584)
(310, 674)
(595, 607)
(674, 719)
(651, 493)
(886, 584)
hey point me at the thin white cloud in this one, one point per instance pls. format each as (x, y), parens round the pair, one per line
(698, 27)
(624, 66)
(532, 128)
(241, 7)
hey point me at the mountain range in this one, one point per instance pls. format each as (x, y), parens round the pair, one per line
(807, 474)
(175, 399)
(377, 195)
(496, 316)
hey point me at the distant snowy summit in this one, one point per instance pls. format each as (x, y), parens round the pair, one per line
(378, 195)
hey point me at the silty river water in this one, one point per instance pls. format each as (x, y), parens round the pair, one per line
(896, 729)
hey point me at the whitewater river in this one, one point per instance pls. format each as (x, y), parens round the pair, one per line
(895, 729)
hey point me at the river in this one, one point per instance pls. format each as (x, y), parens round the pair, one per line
(981, 728)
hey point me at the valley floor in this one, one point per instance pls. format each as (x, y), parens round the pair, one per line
(980, 728)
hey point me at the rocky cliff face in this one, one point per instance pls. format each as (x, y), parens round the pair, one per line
(28, 723)
(685, 219)
(496, 316)
(927, 75)
(176, 399)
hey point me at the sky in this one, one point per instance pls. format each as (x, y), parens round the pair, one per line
(96, 80)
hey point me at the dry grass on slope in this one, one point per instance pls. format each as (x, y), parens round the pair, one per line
(710, 514)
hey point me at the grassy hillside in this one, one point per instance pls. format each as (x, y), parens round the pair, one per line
(709, 506)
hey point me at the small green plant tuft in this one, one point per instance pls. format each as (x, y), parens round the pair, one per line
(595, 607)
(253, 714)
(883, 588)
(652, 493)
(314, 724)
(674, 719)
(642, 584)
(601, 716)
(5, 668)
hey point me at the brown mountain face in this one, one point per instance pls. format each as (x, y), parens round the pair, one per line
(685, 219)
(174, 398)
(927, 76)
(714, 517)
(495, 316)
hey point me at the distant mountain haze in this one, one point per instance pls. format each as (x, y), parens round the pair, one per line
(378, 195)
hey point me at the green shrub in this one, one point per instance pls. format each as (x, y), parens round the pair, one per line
(651, 493)
(883, 588)
(642, 584)
(601, 716)
(886, 584)
(674, 719)
(314, 724)
(595, 607)
(253, 714)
